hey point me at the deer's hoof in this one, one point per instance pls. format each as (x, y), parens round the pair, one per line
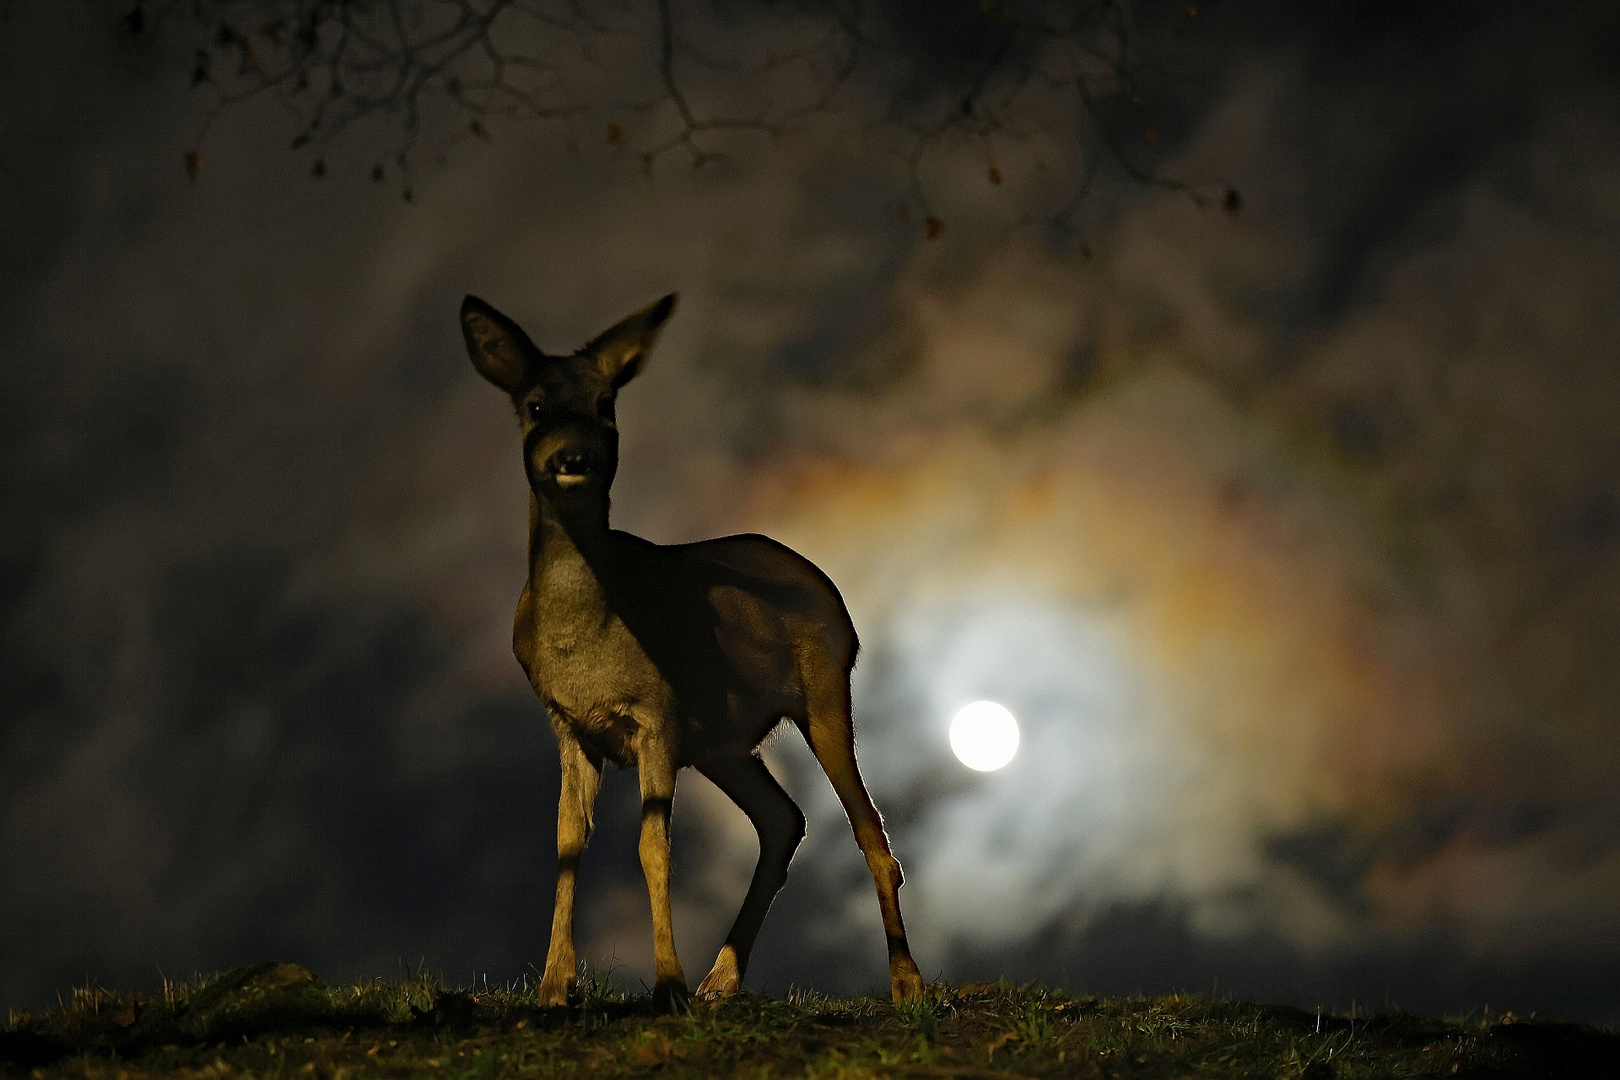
(553, 993)
(671, 996)
(905, 979)
(723, 980)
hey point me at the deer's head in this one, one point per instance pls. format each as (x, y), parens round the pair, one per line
(565, 404)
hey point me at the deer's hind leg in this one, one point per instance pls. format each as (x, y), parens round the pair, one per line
(830, 731)
(780, 825)
(581, 778)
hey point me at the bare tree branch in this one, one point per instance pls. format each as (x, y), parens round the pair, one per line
(698, 73)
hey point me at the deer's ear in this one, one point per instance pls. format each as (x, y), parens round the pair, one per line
(499, 348)
(621, 351)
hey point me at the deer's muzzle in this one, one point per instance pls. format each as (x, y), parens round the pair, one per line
(575, 463)
(570, 455)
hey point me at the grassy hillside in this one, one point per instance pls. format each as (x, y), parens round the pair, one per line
(278, 1020)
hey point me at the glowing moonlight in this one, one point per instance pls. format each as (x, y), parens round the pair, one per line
(984, 736)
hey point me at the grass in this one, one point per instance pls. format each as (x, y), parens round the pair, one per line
(279, 1020)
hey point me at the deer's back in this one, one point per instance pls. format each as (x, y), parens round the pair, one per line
(754, 579)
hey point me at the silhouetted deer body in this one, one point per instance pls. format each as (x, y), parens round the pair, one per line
(663, 657)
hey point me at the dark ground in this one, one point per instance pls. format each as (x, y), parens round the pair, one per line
(279, 1020)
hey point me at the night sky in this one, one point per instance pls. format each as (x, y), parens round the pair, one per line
(1291, 534)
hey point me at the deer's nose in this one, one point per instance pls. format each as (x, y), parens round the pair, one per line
(574, 462)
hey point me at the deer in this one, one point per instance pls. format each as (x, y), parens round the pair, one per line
(660, 657)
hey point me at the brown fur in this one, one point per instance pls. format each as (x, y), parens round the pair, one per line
(667, 656)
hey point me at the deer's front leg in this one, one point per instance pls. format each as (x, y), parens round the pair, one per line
(657, 770)
(581, 778)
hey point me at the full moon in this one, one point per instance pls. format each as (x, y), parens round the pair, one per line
(984, 735)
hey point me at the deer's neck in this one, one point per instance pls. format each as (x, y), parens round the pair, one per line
(569, 559)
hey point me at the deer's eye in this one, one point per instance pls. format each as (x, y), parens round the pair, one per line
(604, 408)
(534, 410)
